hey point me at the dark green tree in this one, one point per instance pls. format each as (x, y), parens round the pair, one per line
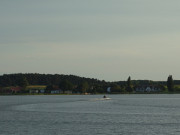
(49, 88)
(84, 87)
(65, 85)
(115, 88)
(23, 83)
(170, 83)
(129, 86)
(129, 82)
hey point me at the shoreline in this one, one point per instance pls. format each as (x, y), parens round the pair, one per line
(42, 94)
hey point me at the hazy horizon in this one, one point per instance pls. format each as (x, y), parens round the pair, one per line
(107, 40)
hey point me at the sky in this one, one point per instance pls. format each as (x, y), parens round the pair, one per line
(104, 39)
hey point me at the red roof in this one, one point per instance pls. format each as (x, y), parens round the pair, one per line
(15, 88)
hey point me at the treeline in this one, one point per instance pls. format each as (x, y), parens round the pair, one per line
(43, 79)
(77, 84)
(54, 81)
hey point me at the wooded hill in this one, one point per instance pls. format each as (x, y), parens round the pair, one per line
(43, 79)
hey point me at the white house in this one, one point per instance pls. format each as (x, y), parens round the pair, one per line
(56, 91)
(109, 89)
(148, 88)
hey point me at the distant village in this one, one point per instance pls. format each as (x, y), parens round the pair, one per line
(42, 90)
(70, 84)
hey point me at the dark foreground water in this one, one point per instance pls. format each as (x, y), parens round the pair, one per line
(90, 115)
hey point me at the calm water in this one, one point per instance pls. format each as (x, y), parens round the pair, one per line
(90, 115)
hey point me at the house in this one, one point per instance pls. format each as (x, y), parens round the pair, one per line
(56, 91)
(15, 89)
(33, 91)
(10, 90)
(147, 88)
(41, 91)
(109, 89)
(68, 92)
(36, 91)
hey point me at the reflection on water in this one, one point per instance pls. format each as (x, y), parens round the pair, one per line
(90, 115)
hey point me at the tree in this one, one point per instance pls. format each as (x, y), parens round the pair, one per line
(129, 82)
(129, 87)
(170, 83)
(66, 85)
(49, 88)
(84, 87)
(23, 83)
(115, 88)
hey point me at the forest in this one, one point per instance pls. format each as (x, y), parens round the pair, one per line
(21, 83)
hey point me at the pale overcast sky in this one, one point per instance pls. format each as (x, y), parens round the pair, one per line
(103, 39)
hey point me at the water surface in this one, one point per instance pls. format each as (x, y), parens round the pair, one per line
(90, 115)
